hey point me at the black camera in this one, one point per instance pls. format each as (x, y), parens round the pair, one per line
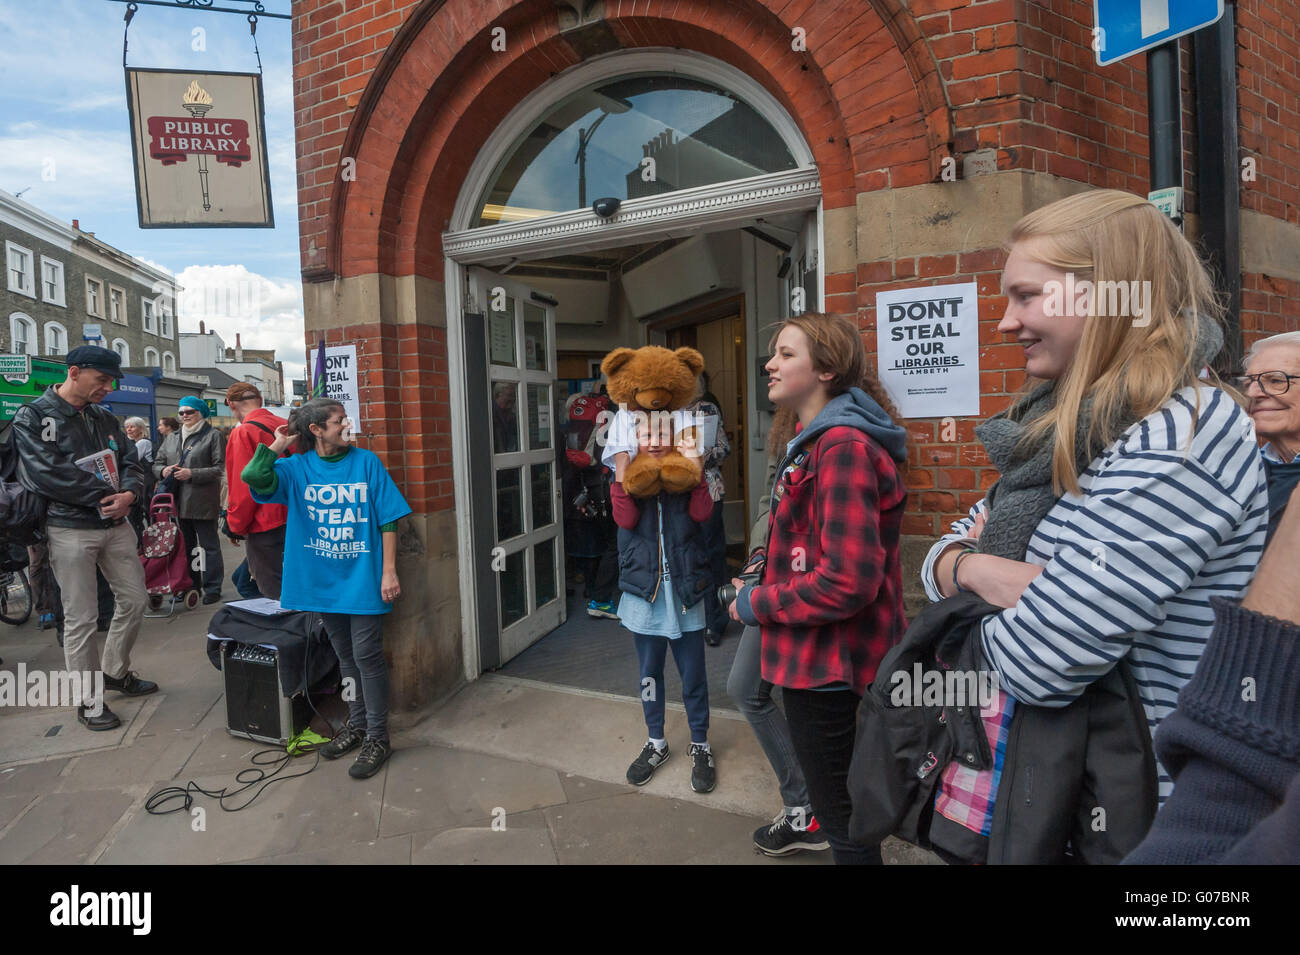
(727, 592)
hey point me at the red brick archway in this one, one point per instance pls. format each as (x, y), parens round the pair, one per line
(865, 93)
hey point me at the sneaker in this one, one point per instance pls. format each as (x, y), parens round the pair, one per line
(46, 621)
(374, 753)
(106, 720)
(782, 837)
(344, 741)
(704, 772)
(130, 684)
(597, 609)
(211, 598)
(644, 766)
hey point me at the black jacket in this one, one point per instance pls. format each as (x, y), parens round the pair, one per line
(47, 467)
(639, 565)
(204, 453)
(1078, 782)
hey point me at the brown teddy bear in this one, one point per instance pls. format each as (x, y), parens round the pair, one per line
(651, 379)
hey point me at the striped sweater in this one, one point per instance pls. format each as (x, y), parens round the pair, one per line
(1158, 529)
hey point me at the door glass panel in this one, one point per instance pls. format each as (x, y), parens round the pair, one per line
(544, 566)
(514, 589)
(505, 417)
(501, 330)
(543, 495)
(539, 417)
(535, 349)
(510, 509)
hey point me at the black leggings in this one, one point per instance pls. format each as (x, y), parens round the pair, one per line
(822, 727)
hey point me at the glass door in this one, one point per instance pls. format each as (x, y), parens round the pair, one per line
(527, 554)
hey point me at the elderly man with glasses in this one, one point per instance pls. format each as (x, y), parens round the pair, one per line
(194, 459)
(1272, 384)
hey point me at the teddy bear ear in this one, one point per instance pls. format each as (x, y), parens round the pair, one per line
(616, 360)
(691, 359)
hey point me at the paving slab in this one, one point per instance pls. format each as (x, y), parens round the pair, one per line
(34, 777)
(434, 787)
(323, 810)
(485, 846)
(598, 736)
(63, 828)
(41, 732)
(641, 829)
(394, 851)
(147, 758)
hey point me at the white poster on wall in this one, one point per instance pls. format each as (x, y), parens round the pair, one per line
(927, 343)
(343, 382)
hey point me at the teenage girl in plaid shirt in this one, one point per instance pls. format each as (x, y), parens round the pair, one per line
(830, 599)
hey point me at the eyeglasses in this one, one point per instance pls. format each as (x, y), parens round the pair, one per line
(1270, 382)
(187, 413)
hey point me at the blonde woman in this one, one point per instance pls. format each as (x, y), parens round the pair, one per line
(1130, 489)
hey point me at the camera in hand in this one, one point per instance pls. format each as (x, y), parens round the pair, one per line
(727, 592)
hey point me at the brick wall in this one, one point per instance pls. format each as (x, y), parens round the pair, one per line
(884, 93)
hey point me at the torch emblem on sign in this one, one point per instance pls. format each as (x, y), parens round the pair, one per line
(197, 102)
(175, 138)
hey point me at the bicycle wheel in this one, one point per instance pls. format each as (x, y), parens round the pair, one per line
(15, 598)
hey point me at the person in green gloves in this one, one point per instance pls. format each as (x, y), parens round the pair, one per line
(340, 557)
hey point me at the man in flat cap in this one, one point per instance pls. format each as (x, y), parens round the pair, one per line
(76, 455)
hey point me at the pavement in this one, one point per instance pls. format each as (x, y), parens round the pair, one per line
(505, 770)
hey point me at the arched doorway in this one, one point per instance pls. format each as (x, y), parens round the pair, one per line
(715, 232)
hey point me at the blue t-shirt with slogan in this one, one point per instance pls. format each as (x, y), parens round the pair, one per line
(333, 548)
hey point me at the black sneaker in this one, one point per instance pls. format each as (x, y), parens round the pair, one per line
(106, 720)
(782, 837)
(704, 772)
(373, 755)
(130, 684)
(211, 598)
(644, 766)
(344, 741)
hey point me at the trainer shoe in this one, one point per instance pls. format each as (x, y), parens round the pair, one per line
(344, 741)
(597, 609)
(106, 720)
(373, 755)
(704, 772)
(783, 837)
(644, 766)
(46, 621)
(131, 685)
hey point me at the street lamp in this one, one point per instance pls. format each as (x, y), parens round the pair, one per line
(609, 104)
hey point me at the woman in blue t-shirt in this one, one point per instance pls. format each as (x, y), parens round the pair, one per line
(340, 557)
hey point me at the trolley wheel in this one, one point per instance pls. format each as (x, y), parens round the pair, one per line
(191, 599)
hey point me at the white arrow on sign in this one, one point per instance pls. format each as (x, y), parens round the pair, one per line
(1155, 17)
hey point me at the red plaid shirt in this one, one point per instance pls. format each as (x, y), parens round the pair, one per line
(830, 603)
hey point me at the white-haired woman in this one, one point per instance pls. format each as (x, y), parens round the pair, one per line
(1272, 383)
(1130, 492)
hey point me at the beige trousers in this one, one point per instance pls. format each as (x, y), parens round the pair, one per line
(74, 553)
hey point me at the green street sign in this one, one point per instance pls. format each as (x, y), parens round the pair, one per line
(42, 373)
(212, 407)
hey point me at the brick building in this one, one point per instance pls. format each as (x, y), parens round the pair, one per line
(59, 279)
(448, 154)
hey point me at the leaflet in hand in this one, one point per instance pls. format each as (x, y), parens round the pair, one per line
(102, 464)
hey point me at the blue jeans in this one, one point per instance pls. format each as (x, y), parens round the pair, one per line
(753, 697)
(243, 581)
(358, 641)
(688, 653)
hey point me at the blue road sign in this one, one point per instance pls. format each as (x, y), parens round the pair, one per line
(1125, 27)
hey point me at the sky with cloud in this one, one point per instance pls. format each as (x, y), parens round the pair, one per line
(65, 140)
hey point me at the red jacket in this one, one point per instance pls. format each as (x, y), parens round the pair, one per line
(830, 601)
(243, 514)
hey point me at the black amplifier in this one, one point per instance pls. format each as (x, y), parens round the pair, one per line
(256, 705)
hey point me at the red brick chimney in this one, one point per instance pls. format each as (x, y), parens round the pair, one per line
(201, 331)
(239, 349)
(76, 224)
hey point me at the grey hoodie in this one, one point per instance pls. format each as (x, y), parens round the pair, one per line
(855, 409)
